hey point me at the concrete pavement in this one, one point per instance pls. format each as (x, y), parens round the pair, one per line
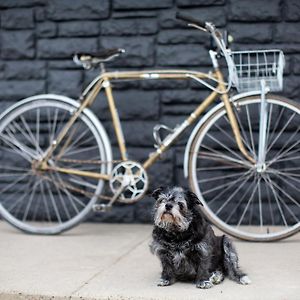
(112, 261)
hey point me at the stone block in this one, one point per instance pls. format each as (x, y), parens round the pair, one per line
(39, 14)
(78, 9)
(17, 44)
(296, 64)
(131, 105)
(250, 33)
(78, 28)
(292, 10)
(182, 55)
(24, 70)
(46, 29)
(137, 4)
(128, 14)
(139, 133)
(179, 36)
(139, 52)
(65, 47)
(183, 96)
(65, 82)
(20, 3)
(19, 18)
(164, 84)
(286, 33)
(291, 87)
(187, 3)
(18, 89)
(254, 10)
(123, 27)
(178, 109)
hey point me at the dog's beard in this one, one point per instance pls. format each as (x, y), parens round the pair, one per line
(171, 220)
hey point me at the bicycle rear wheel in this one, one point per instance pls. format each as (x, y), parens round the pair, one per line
(251, 204)
(49, 202)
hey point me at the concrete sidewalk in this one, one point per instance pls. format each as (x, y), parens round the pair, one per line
(112, 261)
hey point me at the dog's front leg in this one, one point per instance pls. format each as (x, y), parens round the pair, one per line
(167, 274)
(202, 277)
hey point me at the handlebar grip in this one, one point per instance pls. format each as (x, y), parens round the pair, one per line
(190, 19)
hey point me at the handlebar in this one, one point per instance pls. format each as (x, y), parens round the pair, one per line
(190, 20)
(218, 38)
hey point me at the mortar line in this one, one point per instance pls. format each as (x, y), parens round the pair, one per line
(104, 269)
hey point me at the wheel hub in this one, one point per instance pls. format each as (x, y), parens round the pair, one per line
(261, 168)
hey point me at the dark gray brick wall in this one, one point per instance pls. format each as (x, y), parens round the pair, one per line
(38, 37)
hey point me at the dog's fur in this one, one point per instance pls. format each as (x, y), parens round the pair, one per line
(186, 244)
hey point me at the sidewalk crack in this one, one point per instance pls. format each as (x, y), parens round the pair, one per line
(106, 268)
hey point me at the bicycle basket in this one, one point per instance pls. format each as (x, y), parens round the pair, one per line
(251, 67)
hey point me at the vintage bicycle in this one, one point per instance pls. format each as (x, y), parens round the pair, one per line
(56, 155)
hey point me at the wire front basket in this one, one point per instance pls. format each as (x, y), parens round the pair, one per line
(251, 67)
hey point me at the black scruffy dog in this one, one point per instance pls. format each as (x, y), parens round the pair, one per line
(186, 244)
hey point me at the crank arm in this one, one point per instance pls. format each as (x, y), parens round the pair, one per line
(106, 207)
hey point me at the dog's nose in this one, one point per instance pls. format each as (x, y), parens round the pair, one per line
(168, 206)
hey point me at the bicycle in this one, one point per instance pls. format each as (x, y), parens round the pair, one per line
(56, 154)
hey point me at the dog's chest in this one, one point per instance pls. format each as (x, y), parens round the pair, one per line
(181, 257)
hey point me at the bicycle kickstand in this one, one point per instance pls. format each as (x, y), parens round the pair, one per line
(107, 207)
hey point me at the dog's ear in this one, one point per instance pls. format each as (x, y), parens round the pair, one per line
(156, 192)
(192, 198)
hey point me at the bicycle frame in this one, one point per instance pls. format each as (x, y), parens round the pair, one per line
(104, 81)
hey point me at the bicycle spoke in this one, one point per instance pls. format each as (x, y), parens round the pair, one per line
(243, 133)
(225, 147)
(278, 119)
(220, 177)
(44, 200)
(221, 186)
(278, 198)
(232, 195)
(280, 132)
(32, 138)
(240, 201)
(287, 207)
(216, 154)
(251, 132)
(247, 205)
(32, 194)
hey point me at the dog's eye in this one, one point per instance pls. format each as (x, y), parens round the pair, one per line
(181, 205)
(159, 200)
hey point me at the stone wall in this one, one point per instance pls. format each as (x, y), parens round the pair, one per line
(38, 38)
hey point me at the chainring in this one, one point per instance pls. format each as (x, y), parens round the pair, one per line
(134, 175)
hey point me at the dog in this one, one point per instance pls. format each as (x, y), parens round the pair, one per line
(186, 245)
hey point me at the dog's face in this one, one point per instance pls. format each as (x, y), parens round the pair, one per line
(173, 209)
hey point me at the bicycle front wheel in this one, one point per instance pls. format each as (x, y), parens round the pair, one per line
(49, 202)
(251, 203)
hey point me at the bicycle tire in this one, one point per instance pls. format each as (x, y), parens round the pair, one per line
(203, 143)
(26, 130)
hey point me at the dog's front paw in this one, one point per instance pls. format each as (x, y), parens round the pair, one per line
(216, 277)
(204, 284)
(164, 282)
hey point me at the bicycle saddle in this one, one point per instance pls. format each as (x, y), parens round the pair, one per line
(88, 60)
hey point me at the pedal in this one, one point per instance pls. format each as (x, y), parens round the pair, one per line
(101, 207)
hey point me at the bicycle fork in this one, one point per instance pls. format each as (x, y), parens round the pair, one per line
(260, 165)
